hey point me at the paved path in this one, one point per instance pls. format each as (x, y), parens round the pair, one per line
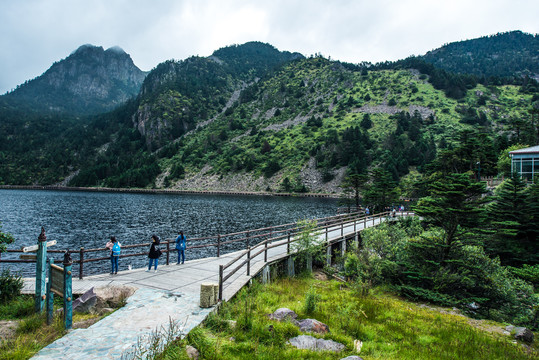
(170, 294)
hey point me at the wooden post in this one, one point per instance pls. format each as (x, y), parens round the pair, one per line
(288, 244)
(249, 262)
(342, 227)
(326, 233)
(168, 252)
(343, 246)
(266, 275)
(221, 282)
(50, 296)
(309, 263)
(81, 262)
(247, 240)
(266, 251)
(68, 293)
(219, 249)
(41, 271)
(291, 271)
(328, 255)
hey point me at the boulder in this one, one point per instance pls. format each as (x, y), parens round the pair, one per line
(314, 326)
(283, 314)
(192, 353)
(113, 296)
(86, 302)
(524, 334)
(106, 297)
(353, 357)
(311, 343)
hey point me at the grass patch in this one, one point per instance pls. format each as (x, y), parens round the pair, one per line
(32, 332)
(389, 327)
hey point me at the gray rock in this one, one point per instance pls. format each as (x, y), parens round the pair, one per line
(312, 325)
(283, 314)
(104, 297)
(524, 334)
(353, 357)
(509, 328)
(310, 343)
(113, 296)
(192, 353)
(86, 302)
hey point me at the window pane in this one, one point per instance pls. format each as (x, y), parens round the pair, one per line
(527, 166)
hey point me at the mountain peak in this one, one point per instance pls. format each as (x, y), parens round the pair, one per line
(116, 49)
(85, 47)
(90, 80)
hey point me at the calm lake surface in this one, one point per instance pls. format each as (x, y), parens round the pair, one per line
(88, 219)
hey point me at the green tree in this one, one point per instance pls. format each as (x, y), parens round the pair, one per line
(352, 186)
(381, 191)
(506, 214)
(455, 205)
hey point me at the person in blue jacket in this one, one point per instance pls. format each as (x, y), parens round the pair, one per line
(115, 247)
(180, 246)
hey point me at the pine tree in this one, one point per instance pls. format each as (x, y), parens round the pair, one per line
(506, 214)
(455, 205)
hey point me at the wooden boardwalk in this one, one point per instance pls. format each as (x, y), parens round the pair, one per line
(189, 276)
(170, 294)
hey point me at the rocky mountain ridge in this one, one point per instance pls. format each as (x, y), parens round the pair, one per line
(90, 80)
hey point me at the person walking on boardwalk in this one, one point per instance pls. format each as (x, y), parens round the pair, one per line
(180, 246)
(115, 248)
(154, 254)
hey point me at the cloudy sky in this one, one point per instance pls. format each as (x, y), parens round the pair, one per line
(35, 33)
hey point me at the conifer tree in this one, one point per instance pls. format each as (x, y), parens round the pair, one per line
(455, 205)
(506, 214)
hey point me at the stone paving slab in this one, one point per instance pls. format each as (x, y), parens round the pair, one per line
(116, 334)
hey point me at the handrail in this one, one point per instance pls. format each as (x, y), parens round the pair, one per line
(219, 241)
(319, 230)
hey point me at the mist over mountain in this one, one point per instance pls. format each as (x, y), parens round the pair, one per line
(89, 81)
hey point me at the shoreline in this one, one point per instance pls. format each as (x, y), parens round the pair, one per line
(163, 191)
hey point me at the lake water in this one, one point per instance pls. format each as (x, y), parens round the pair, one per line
(88, 219)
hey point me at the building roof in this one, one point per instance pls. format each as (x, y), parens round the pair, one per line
(530, 150)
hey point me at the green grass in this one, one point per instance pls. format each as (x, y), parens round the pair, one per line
(32, 333)
(389, 327)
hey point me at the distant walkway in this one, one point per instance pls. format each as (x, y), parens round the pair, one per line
(172, 293)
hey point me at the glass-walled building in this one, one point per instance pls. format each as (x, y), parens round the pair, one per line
(525, 162)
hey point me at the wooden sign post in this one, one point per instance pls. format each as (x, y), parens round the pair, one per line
(60, 283)
(41, 270)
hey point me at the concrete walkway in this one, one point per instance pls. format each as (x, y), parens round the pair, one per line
(170, 294)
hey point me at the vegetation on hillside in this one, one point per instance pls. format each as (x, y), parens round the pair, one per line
(255, 110)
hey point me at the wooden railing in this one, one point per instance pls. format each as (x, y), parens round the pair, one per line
(289, 236)
(248, 237)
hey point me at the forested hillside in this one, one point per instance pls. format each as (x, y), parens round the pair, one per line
(502, 55)
(251, 117)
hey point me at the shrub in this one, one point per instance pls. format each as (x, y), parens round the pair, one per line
(311, 300)
(10, 286)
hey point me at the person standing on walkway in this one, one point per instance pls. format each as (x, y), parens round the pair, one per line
(154, 254)
(181, 245)
(115, 248)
